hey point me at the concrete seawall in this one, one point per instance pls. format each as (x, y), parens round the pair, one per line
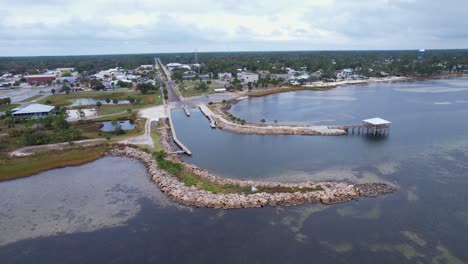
(176, 140)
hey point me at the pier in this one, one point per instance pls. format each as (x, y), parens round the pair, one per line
(186, 110)
(373, 126)
(208, 113)
(177, 141)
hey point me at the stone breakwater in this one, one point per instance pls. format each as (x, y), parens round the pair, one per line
(257, 129)
(325, 192)
(332, 192)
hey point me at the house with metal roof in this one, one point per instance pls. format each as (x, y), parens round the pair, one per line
(34, 111)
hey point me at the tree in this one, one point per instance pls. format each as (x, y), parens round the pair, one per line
(108, 100)
(276, 122)
(250, 86)
(81, 114)
(10, 122)
(131, 99)
(117, 127)
(263, 121)
(177, 76)
(52, 91)
(6, 101)
(201, 86)
(97, 85)
(115, 101)
(145, 87)
(98, 104)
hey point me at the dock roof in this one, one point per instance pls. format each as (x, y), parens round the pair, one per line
(376, 121)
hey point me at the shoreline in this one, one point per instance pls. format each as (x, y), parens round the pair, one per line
(322, 192)
(220, 115)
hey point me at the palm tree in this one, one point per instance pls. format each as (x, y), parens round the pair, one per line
(263, 121)
(276, 122)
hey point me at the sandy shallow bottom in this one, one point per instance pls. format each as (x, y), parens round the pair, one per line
(101, 194)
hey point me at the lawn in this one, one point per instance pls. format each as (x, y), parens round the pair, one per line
(8, 107)
(189, 89)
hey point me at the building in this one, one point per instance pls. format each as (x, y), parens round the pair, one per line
(263, 73)
(246, 77)
(225, 76)
(34, 111)
(421, 54)
(40, 78)
(344, 74)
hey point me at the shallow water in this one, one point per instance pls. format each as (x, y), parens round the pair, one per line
(45, 218)
(124, 124)
(88, 101)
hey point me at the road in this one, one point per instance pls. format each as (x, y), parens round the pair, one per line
(172, 92)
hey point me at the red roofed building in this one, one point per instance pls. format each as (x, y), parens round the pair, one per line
(40, 79)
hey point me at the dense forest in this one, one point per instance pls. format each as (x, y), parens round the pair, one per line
(392, 62)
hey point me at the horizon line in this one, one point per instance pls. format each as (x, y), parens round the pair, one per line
(239, 51)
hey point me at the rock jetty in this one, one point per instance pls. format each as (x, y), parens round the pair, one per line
(222, 122)
(323, 192)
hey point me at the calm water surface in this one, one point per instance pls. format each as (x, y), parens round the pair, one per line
(107, 126)
(88, 101)
(108, 211)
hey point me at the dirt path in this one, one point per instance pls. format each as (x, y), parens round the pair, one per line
(26, 151)
(151, 114)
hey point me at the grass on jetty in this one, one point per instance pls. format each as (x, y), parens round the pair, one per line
(21, 167)
(289, 89)
(191, 179)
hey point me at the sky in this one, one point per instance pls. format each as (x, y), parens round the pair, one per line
(57, 27)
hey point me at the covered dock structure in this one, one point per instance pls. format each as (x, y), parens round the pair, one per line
(376, 126)
(371, 126)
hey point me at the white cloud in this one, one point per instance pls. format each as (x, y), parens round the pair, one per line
(118, 26)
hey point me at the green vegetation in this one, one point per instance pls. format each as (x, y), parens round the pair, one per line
(66, 99)
(235, 119)
(191, 179)
(288, 89)
(7, 107)
(51, 129)
(12, 168)
(197, 88)
(146, 87)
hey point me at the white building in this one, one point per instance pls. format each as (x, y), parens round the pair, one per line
(224, 75)
(34, 111)
(344, 74)
(246, 77)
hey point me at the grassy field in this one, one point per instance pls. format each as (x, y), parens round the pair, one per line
(189, 89)
(8, 107)
(91, 128)
(32, 98)
(67, 99)
(21, 167)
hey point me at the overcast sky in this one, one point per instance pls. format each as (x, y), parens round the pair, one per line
(57, 27)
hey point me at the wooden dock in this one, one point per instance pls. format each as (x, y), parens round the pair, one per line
(208, 113)
(177, 141)
(187, 113)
